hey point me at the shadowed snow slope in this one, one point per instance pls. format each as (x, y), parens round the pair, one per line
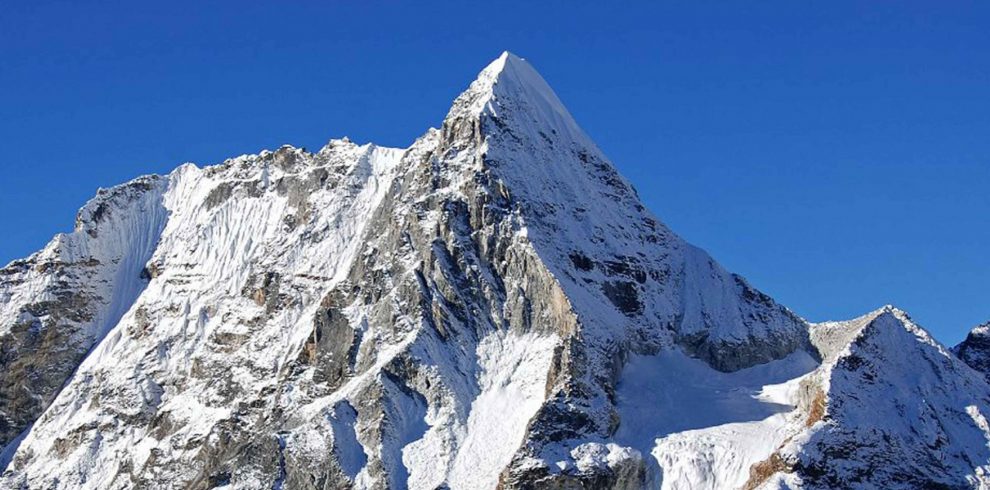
(491, 307)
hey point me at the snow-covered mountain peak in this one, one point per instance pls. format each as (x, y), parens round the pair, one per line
(492, 307)
(509, 75)
(517, 80)
(509, 88)
(892, 403)
(891, 318)
(831, 337)
(974, 350)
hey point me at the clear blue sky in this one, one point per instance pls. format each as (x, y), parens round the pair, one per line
(835, 153)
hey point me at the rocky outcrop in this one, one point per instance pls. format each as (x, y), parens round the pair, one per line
(974, 350)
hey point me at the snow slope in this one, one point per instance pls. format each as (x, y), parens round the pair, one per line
(490, 307)
(706, 428)
(902, 412)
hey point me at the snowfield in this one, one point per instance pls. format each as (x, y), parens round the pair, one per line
(706, 428)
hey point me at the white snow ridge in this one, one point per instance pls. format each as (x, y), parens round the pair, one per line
(491, 307)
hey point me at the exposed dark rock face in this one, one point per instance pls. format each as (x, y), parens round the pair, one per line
(975, 349)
